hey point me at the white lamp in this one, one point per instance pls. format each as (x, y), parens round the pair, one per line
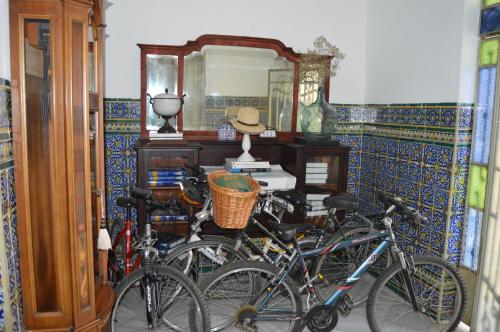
(247, 123)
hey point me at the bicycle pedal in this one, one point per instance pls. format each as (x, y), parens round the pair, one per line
(345, 305)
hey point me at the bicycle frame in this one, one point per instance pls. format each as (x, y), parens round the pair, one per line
(126, 232)
(387, 241)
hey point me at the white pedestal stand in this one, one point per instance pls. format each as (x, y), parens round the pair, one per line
(246, 145)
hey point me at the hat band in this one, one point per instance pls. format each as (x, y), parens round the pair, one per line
(247, 124)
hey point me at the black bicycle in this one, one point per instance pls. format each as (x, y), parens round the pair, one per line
(413, 294)
(156, 297)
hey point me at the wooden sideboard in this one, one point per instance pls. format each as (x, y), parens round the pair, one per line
(292, 157)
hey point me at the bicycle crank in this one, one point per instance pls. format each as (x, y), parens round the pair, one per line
(245, 318)
(322, 318)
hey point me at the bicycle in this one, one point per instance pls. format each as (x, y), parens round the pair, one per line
(124, 256)
(425, 292)
(155, 297)
(198, 258)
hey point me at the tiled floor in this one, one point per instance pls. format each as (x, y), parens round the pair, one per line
(356, 322)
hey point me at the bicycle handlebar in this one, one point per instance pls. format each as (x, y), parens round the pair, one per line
(144, 194)
(413, 215)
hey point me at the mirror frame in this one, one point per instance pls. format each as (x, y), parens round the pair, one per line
(191, 46)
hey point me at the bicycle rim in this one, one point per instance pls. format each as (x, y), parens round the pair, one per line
(175, 299)
(439, 292)
(201, 258)
(239, 290)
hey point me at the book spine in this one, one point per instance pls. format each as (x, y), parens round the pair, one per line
(316, 213)
(248, 170)
(170, 218)
(167, 173)
(316, 170)
(316, 197)
(319, 165)
(165, 178)
(154, 184)
(315, 203)
(316, 181)
(317, 176)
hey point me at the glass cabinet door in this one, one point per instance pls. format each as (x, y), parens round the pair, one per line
(41, 150)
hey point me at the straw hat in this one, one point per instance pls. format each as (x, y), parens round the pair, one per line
(248, 121)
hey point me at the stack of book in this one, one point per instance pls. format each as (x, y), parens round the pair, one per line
(234, 166)
(315, 200)
(316, 173)
(156, 136)
(166, 177)
(169, 217)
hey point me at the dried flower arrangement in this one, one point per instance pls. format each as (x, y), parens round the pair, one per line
(320, 63)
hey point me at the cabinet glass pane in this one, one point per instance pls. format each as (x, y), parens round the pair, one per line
(92, 62)
(477, 186)
(40, 154)
(484, 110)
(161, 75)
(79, 111)
(490, 20)
(488, 52)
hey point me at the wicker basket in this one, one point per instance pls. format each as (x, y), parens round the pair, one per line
(231, 207)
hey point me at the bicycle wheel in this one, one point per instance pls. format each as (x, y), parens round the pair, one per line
(200, 258)
(337, 266)
(175, 299)
(439, 292)
(239, 295)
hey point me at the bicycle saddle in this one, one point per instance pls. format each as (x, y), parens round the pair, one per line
(286, 232)
(126, 201)
(342, 201)
(294, 197)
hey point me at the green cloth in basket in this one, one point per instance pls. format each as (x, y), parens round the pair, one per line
(234, 181)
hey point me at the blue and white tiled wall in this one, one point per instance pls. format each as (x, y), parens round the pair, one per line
(418, 151)
(11, 313)
(122, 128)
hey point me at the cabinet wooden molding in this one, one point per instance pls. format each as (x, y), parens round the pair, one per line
(56, 66)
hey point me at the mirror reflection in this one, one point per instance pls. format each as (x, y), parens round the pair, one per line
(219, 80)
(161, 74)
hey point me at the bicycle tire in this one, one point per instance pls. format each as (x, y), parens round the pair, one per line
(237, 269)
(214, 253)
(135, 316)
(419, 277)
(342, 269)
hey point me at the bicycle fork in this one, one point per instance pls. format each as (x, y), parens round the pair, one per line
(408, 267)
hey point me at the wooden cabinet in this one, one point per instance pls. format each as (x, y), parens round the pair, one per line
(58, 162)
(296, 157)
(334, 159)
(292, 157)
(154, 156)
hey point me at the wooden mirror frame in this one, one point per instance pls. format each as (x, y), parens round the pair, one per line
(222, 40)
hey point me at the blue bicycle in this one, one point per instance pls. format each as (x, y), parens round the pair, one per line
(414, 293)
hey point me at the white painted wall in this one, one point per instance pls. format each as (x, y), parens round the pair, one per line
(4, 40)
(421, 51)
(295, 23)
